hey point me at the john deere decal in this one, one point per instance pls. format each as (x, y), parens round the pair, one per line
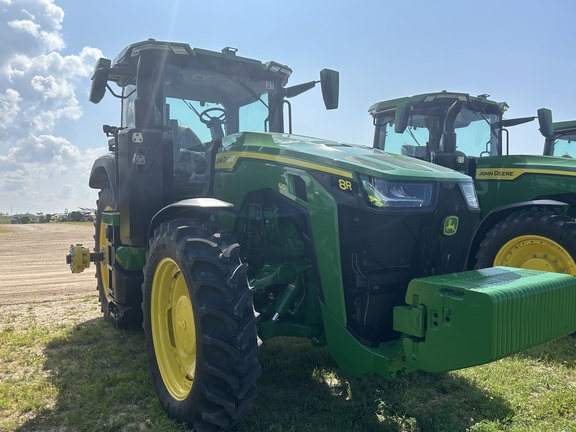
(450, 225)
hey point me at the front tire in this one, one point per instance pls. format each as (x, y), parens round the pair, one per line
(200, 325)
(538, 240)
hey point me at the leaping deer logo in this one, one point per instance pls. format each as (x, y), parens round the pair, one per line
(450, 225)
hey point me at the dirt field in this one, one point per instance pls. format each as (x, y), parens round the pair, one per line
(33, 269)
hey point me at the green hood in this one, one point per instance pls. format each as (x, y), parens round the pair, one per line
(328, 156)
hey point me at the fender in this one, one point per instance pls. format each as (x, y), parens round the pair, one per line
(103, 174)
(498, 214)
(191, 207)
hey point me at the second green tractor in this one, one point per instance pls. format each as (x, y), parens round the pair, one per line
(528, 202)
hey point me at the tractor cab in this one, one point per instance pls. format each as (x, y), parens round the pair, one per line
(195, 97)
(445, 128)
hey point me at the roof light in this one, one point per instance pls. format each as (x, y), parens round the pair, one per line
(275, 67)
(229, 51)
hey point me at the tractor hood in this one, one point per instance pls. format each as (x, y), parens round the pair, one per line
(327, 156)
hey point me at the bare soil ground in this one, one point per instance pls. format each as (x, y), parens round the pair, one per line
(33, 271)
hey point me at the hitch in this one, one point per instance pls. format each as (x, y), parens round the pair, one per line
(80, 258)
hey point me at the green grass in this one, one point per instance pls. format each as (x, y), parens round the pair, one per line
(91, 377)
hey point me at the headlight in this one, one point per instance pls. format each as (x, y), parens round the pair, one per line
(470, 195)
(382, 193)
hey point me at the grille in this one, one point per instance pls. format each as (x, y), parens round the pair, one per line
(382, 250)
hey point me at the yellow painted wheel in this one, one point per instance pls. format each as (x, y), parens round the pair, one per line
(122, 306)
(173, 329)
(536, 240)
(537, 253)
(199, 324)
(105, 202)
(101, 246)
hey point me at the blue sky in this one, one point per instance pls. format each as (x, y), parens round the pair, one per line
(50, 134)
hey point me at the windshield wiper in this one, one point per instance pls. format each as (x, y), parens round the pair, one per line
(189, 105)
(483, 116)
(413, 136)
(246, 87)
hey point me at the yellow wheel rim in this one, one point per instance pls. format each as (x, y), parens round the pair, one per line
(537, 253)
(173, 329)
(103, 245)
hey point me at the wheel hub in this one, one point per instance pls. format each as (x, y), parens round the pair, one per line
(538, 264)
(173, 328)
(184, 338)
(536, 253)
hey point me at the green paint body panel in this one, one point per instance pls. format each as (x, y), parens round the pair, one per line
(386, 360)
(476, 317)
(232, 183)
(502, 180)
(130, 258)
(111, 218)
(127, 257)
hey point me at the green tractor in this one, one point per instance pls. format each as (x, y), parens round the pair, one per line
(528, 202)
(216, 230)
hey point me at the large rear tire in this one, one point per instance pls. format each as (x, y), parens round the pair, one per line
(105, 202)
(200, 325)
(539, 240)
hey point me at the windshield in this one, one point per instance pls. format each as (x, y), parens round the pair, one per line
(196, 107)
(196, 123)
(474, 131)
(219, 103)
(212, 101)
(189, 114)
(565, 147)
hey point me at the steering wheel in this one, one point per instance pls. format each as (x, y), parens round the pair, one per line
(207, 119)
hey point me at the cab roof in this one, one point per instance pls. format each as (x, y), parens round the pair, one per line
(123, 68)
(436, 97)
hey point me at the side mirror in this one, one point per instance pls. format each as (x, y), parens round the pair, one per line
(401, 117)
(545, 122)
(330, 82)
(99, 80)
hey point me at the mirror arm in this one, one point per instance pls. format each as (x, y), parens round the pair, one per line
(300, 88)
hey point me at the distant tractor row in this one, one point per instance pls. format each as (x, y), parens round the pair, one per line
(26, 218)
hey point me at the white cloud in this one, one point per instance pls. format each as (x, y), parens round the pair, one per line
(38, 89)
(9, 109)
(30, 26)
